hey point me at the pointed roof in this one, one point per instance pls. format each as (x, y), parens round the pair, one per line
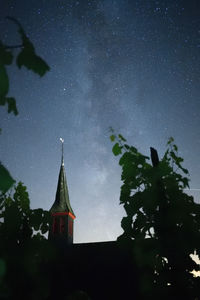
(62, 203)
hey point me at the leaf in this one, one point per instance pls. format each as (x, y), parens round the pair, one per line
(44, 228)
(126, 158)
(46, 217)
(27, 57)
(133, 150)
(185, 170)
(31, 61)
(4, 84)
(12, 219)
(170, 140)
(39, 219)
(125, 193)
(185, 182)
(116, 149)
(121, 138)
(6, 181)
(12, 105)
(2, 101)
(8, 201)
(127, 146)
(4, 88)
(175, 148)
(126, 224)
(112, 137)
(6, 56)
(21, 197)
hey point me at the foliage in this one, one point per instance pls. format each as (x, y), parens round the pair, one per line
(6, 181)
(27, 58)
(24, 251)
(162, 222)
(23, 248)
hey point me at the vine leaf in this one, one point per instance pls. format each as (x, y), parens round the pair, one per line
(121, 137)
(6, 56)
(112, 137)
(158, 214)
(31, 61)
(27, 57)
(4, 84)
(117, 149)
(6, 181)
(12, 105)
(21, 197)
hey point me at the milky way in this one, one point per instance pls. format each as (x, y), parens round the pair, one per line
(132, 65)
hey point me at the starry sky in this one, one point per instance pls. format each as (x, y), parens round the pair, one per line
(132, 65)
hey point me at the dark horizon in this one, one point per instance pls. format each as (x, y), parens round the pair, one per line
(131, 65)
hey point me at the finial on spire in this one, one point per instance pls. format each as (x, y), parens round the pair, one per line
(62, 157)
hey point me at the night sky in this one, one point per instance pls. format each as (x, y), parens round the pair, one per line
(132, 65)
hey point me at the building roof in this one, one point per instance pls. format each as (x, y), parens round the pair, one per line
(62, 203)
(103, 270)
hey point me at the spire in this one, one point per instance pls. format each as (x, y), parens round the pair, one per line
(62, 203)
(62, 151)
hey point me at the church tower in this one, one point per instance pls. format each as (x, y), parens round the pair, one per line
(62, 215)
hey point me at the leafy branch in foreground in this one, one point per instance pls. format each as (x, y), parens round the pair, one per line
(23, 247)
(162, 222)
(27, 58)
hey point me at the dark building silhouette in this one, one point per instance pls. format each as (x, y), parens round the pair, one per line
(102, 270)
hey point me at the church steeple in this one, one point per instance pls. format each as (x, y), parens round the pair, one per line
(61, 227)
(62, 156)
